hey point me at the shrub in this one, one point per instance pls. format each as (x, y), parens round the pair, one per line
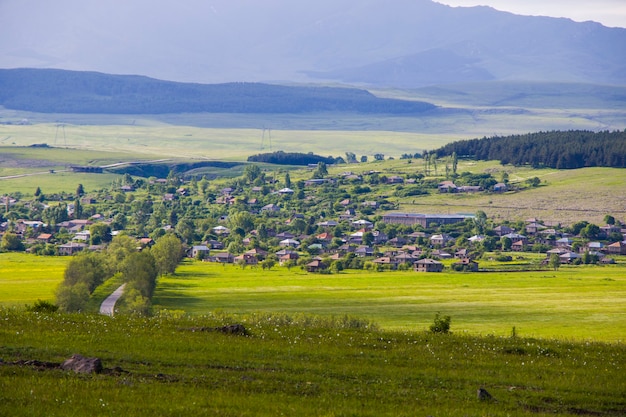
(441, 324)
(42, 307)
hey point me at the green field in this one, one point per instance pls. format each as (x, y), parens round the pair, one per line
(582, 303)
(577, 302)
(25, 278)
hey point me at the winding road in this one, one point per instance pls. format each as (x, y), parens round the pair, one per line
(108, 305)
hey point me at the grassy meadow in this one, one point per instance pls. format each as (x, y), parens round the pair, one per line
(577, 303)
(297, 365)
(571, 303)
(354, 343)
(25, 278)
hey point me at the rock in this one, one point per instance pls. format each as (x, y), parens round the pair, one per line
(233, 329)
(82, 365)
(483, 395)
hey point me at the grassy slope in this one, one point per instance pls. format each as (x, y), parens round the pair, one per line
(565, 196)
(296, 366)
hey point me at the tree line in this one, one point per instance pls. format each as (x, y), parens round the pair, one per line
(556, 149)
(121, 259)
(290, 158)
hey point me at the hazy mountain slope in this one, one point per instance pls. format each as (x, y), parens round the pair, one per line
(405, 43)
(50, 91)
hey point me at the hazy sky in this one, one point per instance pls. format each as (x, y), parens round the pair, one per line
(610, 13)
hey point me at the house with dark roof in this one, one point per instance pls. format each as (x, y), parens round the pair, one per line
(428, 265)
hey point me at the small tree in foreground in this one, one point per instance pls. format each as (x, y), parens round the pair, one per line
(441, 324)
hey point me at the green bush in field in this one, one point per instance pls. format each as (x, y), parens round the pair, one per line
(441, 324)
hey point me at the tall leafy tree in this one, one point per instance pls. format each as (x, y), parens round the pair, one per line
(167, 253)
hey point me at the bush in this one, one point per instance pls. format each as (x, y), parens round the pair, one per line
(441, 324)
(42, 307)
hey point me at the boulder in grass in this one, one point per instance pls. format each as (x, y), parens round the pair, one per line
(82, 365)
(483, 395)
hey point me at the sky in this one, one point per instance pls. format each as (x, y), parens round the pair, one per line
(611, 13)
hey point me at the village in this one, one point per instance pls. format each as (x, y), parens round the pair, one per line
(323, 224)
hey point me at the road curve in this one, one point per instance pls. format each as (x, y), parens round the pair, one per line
(108, 305)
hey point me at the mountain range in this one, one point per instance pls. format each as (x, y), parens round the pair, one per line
(84, 92)
(380, 43)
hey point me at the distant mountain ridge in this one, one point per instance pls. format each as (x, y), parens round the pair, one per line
(60, 91)
(385, 43)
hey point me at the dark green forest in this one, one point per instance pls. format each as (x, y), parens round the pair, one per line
(290, 158)
(557, 149)
(60, 91)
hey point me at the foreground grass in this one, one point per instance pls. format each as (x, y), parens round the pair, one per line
(296, 365)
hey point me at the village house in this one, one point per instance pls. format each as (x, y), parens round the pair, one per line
(617, 248)
(428, 265)
(503, 230)
(440, 239)
(447, 187)
(466, 264)
(364, 251)
(387, 260)
(71, 248)
(223, 257)
(199, 251)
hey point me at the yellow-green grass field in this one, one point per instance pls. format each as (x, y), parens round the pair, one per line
(219, 144)
(582, 302)
(574, 302)
(26, 278)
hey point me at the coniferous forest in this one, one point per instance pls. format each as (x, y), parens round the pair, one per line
(556, 149)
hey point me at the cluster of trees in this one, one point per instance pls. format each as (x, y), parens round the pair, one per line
(557, 149)
(47, 90)
(290, 158)
(121, 259)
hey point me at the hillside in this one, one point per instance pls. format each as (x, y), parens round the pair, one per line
(59, 91)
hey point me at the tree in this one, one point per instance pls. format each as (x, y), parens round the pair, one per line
(608, 219)
(554, 262)
(433, 161)
(100, 233)
(506, 243)
(37, 192)
(364, 158)
(140, 272)
(11, 242)
(80, 190)
(591, 231)
(252, 172)
(455, 162)
(351, 158)
(321, 170)
(118, 250)
(88, 268)
(167, 253)
(287, 180)
(368, 238)
(241, 219)
(441, 324)
(379, 156)
(480, 222)
(533, 182)
(72, 298)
